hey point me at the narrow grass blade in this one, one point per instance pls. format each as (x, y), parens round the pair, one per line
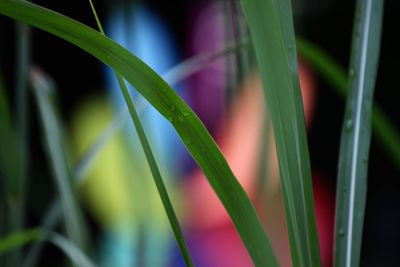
(189, 127)
(383, 128)
(162, 190)
(22, 65)
(10, 172)
(17, 239)
(356, 133)
(5, 114)
(21, 238)
(56, 154)
(47, 224)
(9, 156)
(271, 29)
(74, 253)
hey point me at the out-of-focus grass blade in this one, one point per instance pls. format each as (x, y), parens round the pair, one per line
(53, 137)
(162, 190)
(9, 157)
(189, 127)
(383, 129)
(356, 133)
(17, 239)
(10, 172)
(5, 116)
(271, 29)
(74, 253)
(47, 224)
(21, 238)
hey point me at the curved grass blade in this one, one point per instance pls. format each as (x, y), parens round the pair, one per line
(173, 76)
(17, 239)
(72, 216)
(74, 253)
(271, 29)
(162, 190)
(383, 129)
(189, 127)
(356, 133)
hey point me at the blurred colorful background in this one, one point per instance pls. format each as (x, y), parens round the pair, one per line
(127, 223)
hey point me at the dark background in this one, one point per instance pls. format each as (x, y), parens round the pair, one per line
(327, 23)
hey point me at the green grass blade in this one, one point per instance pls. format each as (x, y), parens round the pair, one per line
(356, 133)
(162, 190)
(18, 239)
(383, 128)
(9, 156)
(22, 65)
(10, 172)
(271, 29)
(173, 76)
(56, 154)
(5, 114)
(189, 127)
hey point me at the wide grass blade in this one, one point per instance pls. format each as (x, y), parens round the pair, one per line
(383, 128)
(56, 154)
(173, 76)
(356, 133)
(18, 239)
(271, 29)
(162, 190)
(189, 127)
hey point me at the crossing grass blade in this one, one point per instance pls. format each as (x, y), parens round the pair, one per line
(356, 133)
(73, 220)
(173, 76)
(189, 127)
(162, 190)
(271, 30)
(383, 128)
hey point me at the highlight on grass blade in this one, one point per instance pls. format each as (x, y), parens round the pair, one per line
(271, 29)
(189, 127)
(383, 128)
(356, 133)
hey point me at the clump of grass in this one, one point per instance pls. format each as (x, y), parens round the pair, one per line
(272, 34)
